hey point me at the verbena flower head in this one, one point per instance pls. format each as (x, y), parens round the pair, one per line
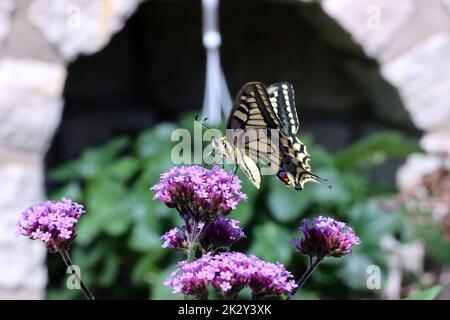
(326, 237)
(53, 222)
(175, 238)
(198, 192)
(228, 273)
(222, 233)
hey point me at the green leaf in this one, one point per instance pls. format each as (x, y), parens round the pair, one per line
(245, 209)
(159, 290)
(287, 204)
(433, 236)
(108, 201)
(107, 152)
(428, 294)
(370, 221)
(146, 264)
(65, 172)
(151, 142)
(152, 168)
(271, 242)
(64, 294)
(371, 224)
(187, 121)
(71, 190)
(110, 270)
(374, 150)
(321, 193)
(353, 270)
(91, 161)
(145, 239)
(123, 169)
(89, 258)
(89, 227)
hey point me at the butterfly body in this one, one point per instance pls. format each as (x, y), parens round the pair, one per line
(223, 148)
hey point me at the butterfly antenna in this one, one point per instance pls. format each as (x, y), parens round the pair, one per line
(202, 121)
(321, 180)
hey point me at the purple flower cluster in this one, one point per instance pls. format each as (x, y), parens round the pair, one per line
(198, 192)
(175, 238)
(52, 222)
(326, 237)
(204, 197)
(222, 233)
(228, 273)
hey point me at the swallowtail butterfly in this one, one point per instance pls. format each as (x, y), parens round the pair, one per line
(262, 128)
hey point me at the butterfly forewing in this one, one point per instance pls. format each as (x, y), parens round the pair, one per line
(252, 109)
(251, 124)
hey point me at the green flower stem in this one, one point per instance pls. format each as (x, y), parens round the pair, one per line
(311, 267)
(191, 252)
(68, 262)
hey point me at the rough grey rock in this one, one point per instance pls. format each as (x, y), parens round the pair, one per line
(30, 110)
(21, 260)
(80, 26)
(6, 9)
(422, 76)
(30, 103)
(373, 23)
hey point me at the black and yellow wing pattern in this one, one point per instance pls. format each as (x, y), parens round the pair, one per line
(252, 123)
(282, 99)
(258, 109)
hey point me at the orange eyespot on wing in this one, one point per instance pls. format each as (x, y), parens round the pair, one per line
(284, 177)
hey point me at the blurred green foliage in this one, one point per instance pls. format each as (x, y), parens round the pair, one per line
(428, 294)
(118, 247)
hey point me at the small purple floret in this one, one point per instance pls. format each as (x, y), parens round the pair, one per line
(53, 222)
(229, 273)
(222, 233)
(198, 192)
(326, 237)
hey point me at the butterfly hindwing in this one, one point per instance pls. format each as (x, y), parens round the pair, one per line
(282, 99)
(295, 168)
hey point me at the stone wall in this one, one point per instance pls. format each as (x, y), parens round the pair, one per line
(37, 40)
(411, 41)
